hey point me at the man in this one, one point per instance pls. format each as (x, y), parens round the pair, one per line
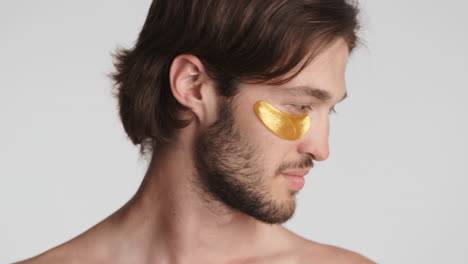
(231, 101)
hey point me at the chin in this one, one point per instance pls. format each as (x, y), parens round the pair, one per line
(281, 210)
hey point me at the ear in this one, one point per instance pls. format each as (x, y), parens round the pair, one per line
(193, 88)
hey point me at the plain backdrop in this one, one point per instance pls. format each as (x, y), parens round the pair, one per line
(395, 187)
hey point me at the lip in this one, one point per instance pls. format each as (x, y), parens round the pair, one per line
(296, 173)
(295, 178)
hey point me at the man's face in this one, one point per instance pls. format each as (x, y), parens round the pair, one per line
(246, 166)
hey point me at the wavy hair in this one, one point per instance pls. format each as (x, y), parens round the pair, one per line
(258, 41)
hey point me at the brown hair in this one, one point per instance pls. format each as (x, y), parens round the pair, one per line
(257, 41)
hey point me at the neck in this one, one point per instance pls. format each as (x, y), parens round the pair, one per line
(176, 220)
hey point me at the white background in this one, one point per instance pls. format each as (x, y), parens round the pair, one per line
(395, 187)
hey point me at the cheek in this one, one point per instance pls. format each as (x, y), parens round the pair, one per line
(272, 149)
(257, 133)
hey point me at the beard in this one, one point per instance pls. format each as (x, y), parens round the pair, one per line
(230, 169)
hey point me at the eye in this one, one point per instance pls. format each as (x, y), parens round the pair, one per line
(302, 109)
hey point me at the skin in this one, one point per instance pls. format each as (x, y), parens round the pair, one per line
(177, 216)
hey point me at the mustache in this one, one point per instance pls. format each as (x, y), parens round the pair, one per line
(306, 161)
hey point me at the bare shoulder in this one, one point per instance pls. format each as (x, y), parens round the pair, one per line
(65, 253)
(305, 251)
(314, 252)
(52, 256)
(84, 248)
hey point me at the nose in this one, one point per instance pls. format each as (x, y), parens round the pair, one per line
(315, 142)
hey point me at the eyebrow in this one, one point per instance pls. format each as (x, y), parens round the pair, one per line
(320, 94)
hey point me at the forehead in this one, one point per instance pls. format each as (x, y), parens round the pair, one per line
(326, 72)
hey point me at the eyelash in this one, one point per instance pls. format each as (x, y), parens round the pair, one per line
(302, 109)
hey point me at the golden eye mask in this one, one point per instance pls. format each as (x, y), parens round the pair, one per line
(286, 126)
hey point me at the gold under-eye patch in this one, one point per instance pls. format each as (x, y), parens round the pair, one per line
(286, 126)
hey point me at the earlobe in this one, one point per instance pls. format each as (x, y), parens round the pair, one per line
(193, 88)
(185, 79)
